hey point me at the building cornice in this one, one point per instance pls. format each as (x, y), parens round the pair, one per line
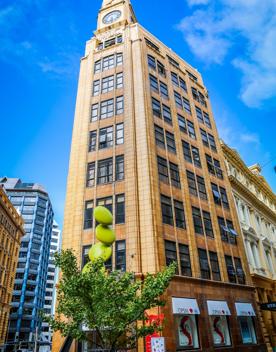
(234, 157)
(241, 189)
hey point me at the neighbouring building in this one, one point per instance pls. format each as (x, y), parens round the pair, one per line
(145, 145)
(256, 206)
(11, 232)
(50, 295)
(33, 203)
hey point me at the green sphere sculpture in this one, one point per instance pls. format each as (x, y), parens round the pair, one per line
(104, 234)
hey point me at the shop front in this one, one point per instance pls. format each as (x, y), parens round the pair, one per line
(210, 319)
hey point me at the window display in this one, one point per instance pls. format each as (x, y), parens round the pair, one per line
(247, 330)
(187, 331)
(220, 330)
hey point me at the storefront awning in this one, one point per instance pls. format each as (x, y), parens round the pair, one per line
(245, 310)
(218, 308)
(185, 306)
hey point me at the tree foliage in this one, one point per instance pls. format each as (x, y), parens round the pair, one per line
(108, 303)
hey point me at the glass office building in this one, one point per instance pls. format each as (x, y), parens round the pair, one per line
(33, 203)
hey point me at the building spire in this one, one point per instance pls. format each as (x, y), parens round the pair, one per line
(112, 2)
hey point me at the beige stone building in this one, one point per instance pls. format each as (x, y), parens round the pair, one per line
(11, 231)
(256, 206)
(145, 145)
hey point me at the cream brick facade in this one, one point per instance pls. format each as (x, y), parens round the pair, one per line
(144, 230)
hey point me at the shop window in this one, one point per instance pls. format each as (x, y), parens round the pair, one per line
(220, 330)
(187, 332)
(247, 330)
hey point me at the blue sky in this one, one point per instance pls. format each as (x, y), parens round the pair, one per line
(231, 42)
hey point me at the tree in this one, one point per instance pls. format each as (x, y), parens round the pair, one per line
(108, 303)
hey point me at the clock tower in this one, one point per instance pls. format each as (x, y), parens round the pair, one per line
(115, 13)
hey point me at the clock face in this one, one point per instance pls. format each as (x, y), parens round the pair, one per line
(111, 17)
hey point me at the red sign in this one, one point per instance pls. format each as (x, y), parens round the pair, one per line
(153, 320)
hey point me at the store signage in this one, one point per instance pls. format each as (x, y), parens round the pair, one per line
(218, 308)
(269, 306)
(185, 306)
(245, 310)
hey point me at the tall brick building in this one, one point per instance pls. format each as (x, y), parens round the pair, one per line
(11, 231)
(145, 145)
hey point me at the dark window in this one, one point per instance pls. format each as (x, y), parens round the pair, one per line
(154, 83)
(191, 129)
(107, 108)
(207, 119)
(216, 194)
(151, 45)
(161, 69)
(107, 84)
(192, 183)
(174, 78)
(178, 100)
(212, 142)
(96, 87)
(183, 85)
(85, 257)
(120, 209)
(163, 169)
(214, 266)
(97, 66)
(164, 90)
(105, 202)
(232, 233)
(186, 105)
(204, 264)
(179, 214)
(172, 61)
(90, 176)
(151, 62)
(119, 168)
(92, 141)
(185, 261)
(120, 257)
(201, 187)
(191, 154)
(170, 252)
(199, 115)
(120, 133)
(198, 225)
(218, 169)
(182, 124)
(239, 271)
(105, 171)
(119, 105)
(170, 142)
(224, 197)
(156, 107)
(167, 214)
(106, 137)
(230, 269)
(167, 114)
(204, 138)
(159, 136)
(207, 224)
(94, 112)
(88, 214)
(175, 178)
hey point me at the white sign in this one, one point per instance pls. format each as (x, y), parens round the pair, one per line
(157, 344)
(218, 308)
(185, 306)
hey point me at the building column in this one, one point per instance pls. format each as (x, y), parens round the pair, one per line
(249, 253)
(256, 256)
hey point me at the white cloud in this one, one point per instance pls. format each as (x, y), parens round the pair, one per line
(250, 138)
(29, 37)
(197, 2)
(247, 26)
